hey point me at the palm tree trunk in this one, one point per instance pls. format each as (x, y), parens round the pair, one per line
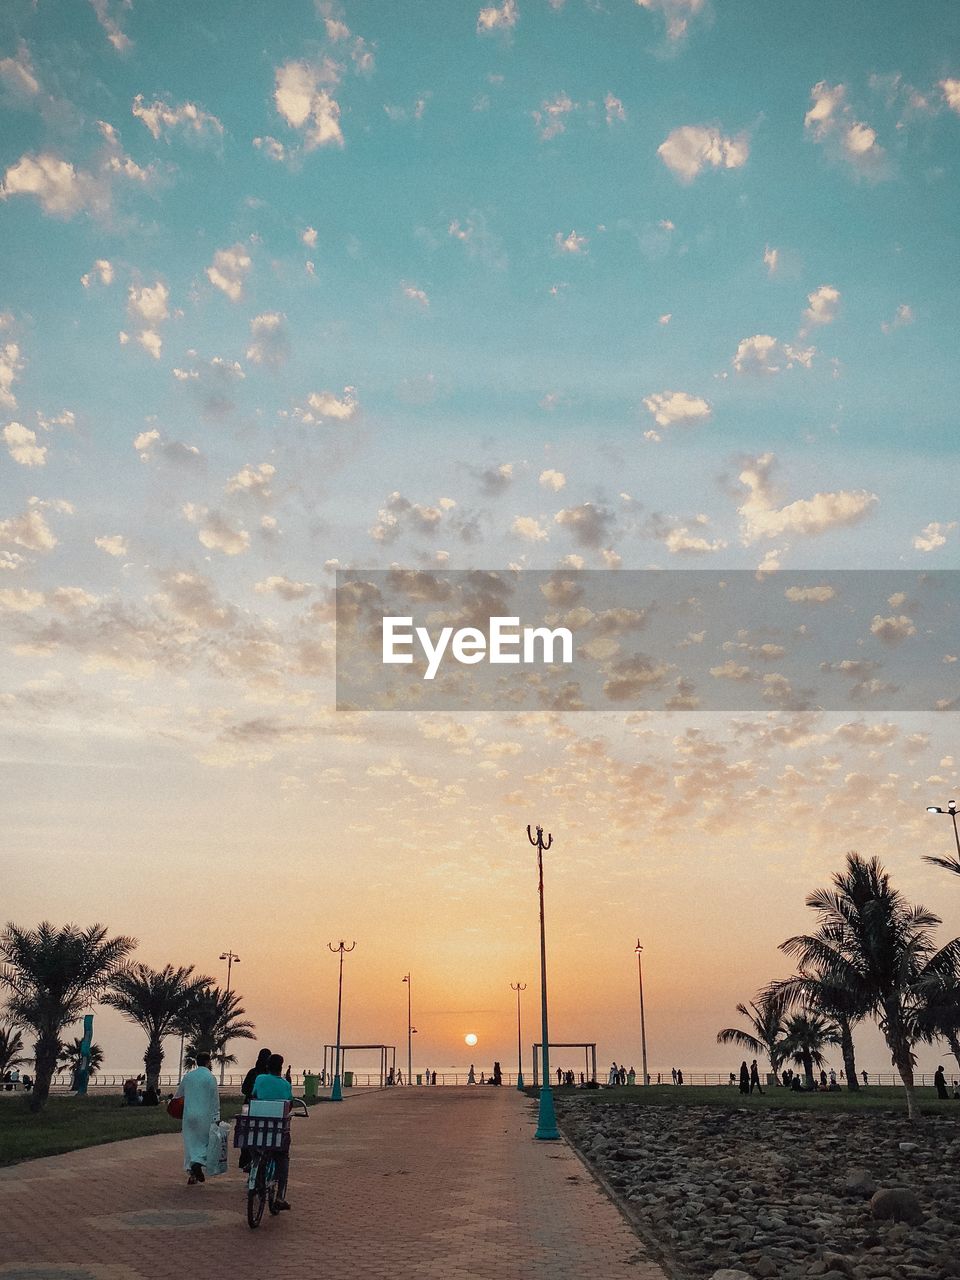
(45, 1063)
(904, 1066)
(808, 1068)
(152, 1062)
(953, 1040)
(846, 1048)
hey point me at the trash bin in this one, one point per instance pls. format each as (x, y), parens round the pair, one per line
(309, 1087)
(348, 1079)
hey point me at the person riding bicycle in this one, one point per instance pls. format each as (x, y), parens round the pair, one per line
(272, 1087)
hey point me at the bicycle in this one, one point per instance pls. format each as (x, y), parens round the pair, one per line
(268, 1140)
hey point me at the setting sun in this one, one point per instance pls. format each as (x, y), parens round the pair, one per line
(470, 1039)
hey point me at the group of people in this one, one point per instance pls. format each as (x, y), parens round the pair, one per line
(495, 1078)
(617, 1075)
(12, 1080)
(749, 1080)
(265, 1081)
(136, 1093)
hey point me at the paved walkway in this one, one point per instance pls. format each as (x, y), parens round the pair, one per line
(398, 1185)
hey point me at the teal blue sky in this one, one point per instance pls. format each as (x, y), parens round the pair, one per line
(292, 286)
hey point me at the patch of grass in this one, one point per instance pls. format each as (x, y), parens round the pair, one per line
(869, 1098)
(67, 1124)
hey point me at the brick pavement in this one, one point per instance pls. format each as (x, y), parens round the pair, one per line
(446, 1184)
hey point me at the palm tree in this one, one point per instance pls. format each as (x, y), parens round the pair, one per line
(156, 1000)
(941, 1019)
(51, 975)
(70, 1057)
(11, 1049)
(765, 1019)
(805, 1037)
(819, 992)
(210, 1020)
(879, 949)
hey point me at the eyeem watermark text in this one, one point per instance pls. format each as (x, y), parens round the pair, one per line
(505, 641)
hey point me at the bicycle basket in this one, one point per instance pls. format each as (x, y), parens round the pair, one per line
(262, 1133)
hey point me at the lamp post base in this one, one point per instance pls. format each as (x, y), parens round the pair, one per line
(336, 1093)
(547, 1130)
(520, 1081)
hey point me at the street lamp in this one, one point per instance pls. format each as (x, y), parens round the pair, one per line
(546, 1116)
(231, 960)
(518, 987)
(410, 1029)
(643, 1025)
(336, 1093)
(951, 812)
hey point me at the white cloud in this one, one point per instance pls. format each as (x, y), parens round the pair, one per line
(18, 75)
(892, 630)
(22, 445)
(20, 600)
(951, 94)
(771, 259)
(215, 532)
(29, 530)
(503, 18)
(229, 270)
(530, 528)
(149, 303)
(765, 354)
(416, 295)
(554, 480)
(761, 518)
(114, 544)
(302, 99)
(102, 270)
(824, 303)
(676, 14)
(693, 147)
(269, 343)
(284, 587)
(550, 119)
(903, 317)
(615, 110)
(111, 26)
(61, 190)
(272, 148)
(933, 535)
(573, 243)
(162, 117)
(309, 237)
(830, 121)
(811, 595)
(11, 366)
(671, 407)
(151, 444)
(326, 404)
(685, 541)
(253, 480)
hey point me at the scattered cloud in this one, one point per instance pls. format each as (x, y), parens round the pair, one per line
(892, 630)
(824, 303)
(163, 118)
(589, 525)
(572, 243)
(771, 260)
(11, 366)
(762, 519)
(252, 480)
(554, 480)
(904, 316)
(114, 544)
(694, 147)
(28, 530)
(951, 94)
(215, 531)
(675, 13)
(324, 405)
(104, 9)
(302, 98)
(811, 595)
(101, 271)
(671, 407)
(22, 445)
(550, 119)
(416, 295)
(765, 354)
(830, 121)
(933, 536)
(529, 528)
(229, 270)
(284, 587)
(502, 18)
(151, 445)
(269, 340)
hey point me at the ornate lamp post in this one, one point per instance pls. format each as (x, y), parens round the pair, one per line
(231, 959)
(951, 812)
(336, 1093)
(546, 1117)
(643, 1025)
(407, 980)
(518, 987)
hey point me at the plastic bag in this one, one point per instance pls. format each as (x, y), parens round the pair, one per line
(217, 1146)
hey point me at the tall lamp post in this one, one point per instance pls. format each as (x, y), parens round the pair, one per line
(951, 812)
(518, 987)
(643, 1025)
(546, 1117)
(336, 1093)
(407, 980)
(231, 959)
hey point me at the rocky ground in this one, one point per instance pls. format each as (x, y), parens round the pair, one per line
(740, 1194)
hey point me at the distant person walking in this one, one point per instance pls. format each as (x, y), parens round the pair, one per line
(940, 1082)
(673, 1073)
(755, 1077)
(744, 1077)
(471, 1075)
(201, 1108)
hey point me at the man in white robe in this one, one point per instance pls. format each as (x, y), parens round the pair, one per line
(201, 1108)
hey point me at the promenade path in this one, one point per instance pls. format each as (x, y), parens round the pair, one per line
(406, 1183)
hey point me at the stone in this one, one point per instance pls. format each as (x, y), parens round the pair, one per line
(725, 1273)
(858, 1182)
(898, 1203)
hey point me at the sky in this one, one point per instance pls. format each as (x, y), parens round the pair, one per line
(554, 285)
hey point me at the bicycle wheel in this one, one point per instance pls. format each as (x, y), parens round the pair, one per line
(257, 1195)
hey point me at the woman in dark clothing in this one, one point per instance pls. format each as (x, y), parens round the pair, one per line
(940, 1082)
(260, 1068)
(744, 1078)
